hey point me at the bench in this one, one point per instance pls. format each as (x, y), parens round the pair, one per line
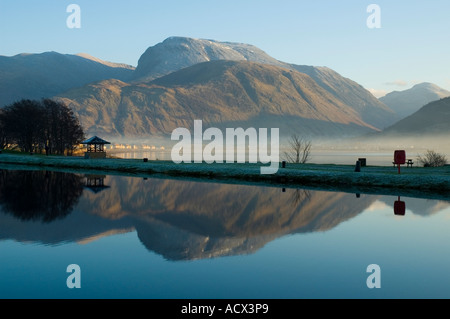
(409, 163)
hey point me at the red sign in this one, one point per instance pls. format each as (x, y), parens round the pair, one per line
(400, 157)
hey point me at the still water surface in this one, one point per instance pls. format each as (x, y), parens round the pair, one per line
(158, 238)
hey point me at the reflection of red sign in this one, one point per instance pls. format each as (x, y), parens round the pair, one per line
(399, 207)
(399, 157)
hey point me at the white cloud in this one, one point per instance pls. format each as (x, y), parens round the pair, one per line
(378, 93)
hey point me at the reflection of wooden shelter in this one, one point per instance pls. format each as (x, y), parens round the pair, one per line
(96, 183)
(95, 147)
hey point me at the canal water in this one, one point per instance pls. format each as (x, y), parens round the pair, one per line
(72, 235)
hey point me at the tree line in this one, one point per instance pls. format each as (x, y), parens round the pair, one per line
(37, 126)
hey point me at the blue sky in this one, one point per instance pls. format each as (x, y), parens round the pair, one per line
(412, 45)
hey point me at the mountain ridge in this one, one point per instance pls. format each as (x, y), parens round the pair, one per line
(411, 100)
(175, 53)
(35, 76)
(105, 106)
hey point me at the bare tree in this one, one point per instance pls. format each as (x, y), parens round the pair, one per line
(432, 159)
(299, 149)
(300, 196)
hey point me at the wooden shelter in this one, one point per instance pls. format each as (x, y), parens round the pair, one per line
(95, 148)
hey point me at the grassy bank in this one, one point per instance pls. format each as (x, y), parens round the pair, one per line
(416, 181)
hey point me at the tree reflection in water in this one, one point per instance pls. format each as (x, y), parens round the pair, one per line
(39, 195)
(300, 196)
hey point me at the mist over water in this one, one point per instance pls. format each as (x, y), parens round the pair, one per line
(378, 151)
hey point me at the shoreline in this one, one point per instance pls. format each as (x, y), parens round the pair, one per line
(432, 183)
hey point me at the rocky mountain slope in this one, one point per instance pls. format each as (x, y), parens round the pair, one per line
(222, 94)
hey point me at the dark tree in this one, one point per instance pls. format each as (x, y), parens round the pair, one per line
(42, 125)
(63, 131)
(23, 124)
(3, 135)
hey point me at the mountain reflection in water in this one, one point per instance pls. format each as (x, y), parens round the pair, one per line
(180, 220)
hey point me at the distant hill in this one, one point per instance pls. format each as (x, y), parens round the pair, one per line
(176, 53)
(431, 119)
(405, 103)
(222, 94)
(34, 76)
